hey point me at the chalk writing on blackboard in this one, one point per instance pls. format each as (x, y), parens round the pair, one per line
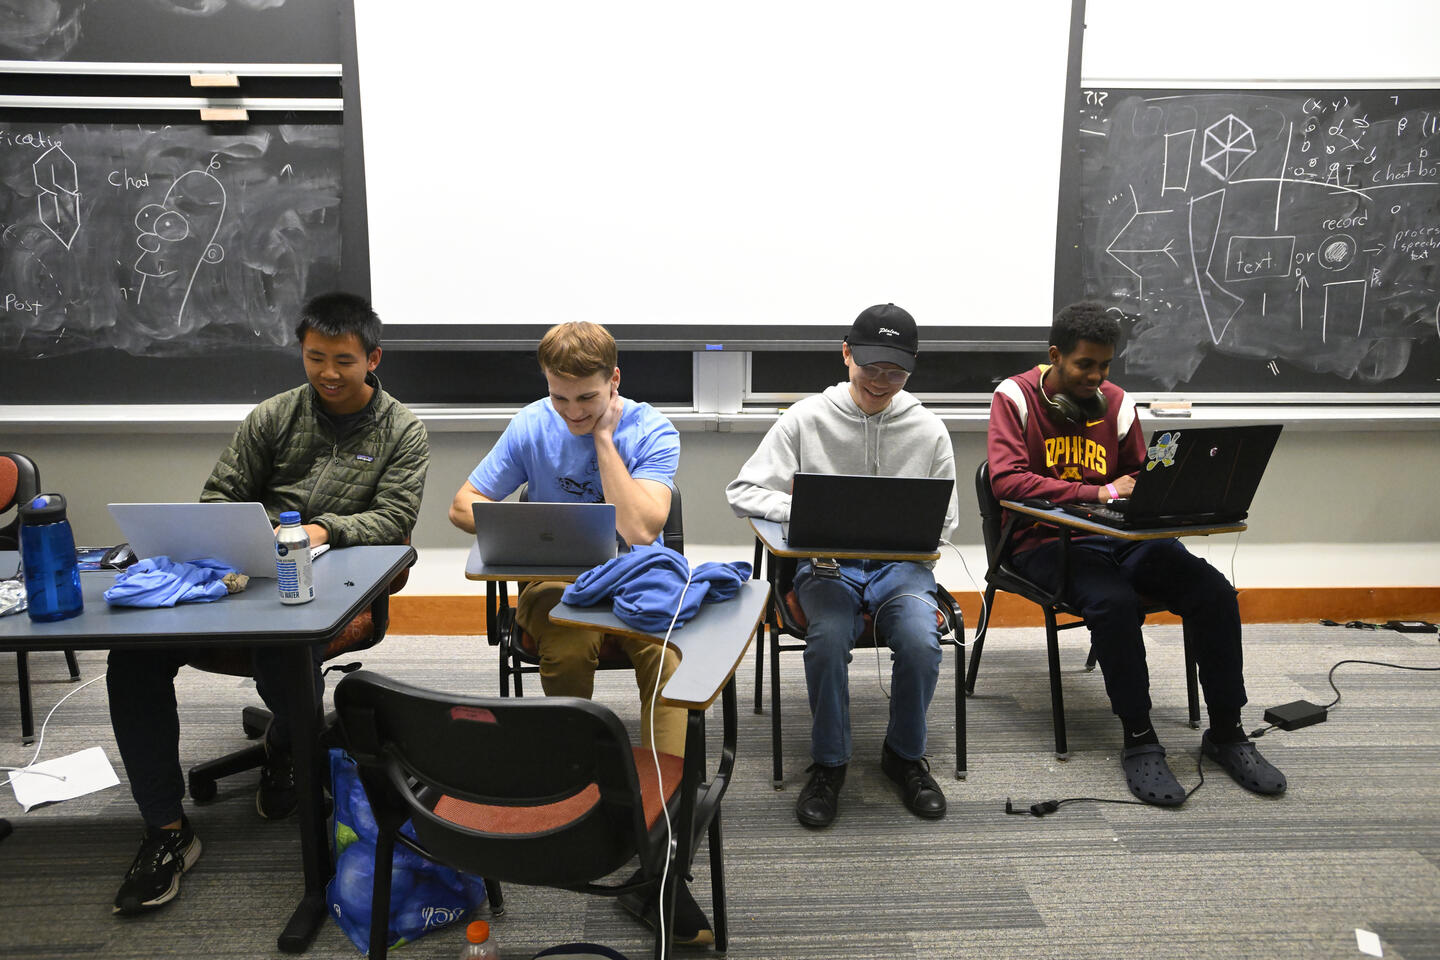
(1278, 225)
(163, 241)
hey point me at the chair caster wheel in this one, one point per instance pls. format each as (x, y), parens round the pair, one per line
(202, 790)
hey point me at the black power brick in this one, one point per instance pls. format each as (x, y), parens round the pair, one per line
(1295, 714)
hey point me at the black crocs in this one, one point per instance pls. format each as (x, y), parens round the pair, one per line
(1149, 775)
(1245, 765)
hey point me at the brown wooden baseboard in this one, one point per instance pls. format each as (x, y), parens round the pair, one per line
(462, 615)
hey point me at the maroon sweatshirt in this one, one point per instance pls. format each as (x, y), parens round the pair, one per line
(1034, 454)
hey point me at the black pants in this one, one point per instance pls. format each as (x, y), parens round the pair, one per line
(146, 719)
(1106, 578)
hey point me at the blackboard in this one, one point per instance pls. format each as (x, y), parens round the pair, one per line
(1263, 240)
(163, 239)
(172, 31)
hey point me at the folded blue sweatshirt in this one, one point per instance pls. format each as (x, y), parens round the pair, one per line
(648, 583)
(162, 582)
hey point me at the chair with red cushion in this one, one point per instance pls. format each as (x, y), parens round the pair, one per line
(20, 483)
(786, 619)
(544, 791)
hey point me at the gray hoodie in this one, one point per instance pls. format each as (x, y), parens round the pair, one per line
(829, 433)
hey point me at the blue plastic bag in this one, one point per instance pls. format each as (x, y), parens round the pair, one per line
(424, 896)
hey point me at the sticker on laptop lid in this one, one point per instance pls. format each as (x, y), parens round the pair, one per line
(1163, 450)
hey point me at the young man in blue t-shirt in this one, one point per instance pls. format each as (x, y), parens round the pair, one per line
(585, 443)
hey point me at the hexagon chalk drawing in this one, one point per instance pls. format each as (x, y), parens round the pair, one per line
(1229, 142)
(59, 198)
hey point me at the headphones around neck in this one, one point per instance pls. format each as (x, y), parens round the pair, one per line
(1064, 408)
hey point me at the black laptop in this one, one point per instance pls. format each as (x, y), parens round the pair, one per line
(845, 512)
(1193, 476)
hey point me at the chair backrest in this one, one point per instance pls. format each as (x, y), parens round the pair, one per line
(989, 512)
(19, 483)
(673, 536)
(532, 756)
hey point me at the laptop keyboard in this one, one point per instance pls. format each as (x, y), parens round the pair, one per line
(1102, 511)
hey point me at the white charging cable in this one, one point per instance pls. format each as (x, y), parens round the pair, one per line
(40, 743)
(655, 751)
(950, 622)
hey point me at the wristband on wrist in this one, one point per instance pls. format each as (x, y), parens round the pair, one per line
(1114, 494)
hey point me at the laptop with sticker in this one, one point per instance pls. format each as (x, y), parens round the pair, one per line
(239, 535)
(522, 533)
(1193, 476)
(849, 512)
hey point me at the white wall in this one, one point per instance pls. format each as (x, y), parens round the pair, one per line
(1338, 507)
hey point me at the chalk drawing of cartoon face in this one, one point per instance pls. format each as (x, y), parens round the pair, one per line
(177, 236)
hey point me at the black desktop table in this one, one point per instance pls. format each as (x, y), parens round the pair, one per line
(346, 582)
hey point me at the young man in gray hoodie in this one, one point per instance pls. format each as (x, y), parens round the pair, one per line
(866, 425)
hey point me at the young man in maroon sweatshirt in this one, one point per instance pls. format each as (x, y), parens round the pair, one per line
(1063, 432)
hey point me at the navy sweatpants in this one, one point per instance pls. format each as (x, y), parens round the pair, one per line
(1107, 577)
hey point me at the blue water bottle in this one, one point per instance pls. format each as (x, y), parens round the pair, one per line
(47, 550)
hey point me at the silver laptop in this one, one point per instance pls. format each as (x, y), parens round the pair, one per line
(528, 534)
(237, 534)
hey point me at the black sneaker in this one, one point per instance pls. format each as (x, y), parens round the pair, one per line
(819, 800)
(276, 799)
(918, 789)
(690, 927)
(154, 878)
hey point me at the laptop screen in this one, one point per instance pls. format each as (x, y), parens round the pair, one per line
(859, 513)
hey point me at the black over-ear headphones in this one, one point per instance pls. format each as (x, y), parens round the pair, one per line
(1064, 408)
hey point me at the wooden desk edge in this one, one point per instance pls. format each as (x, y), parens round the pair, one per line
(891, 555)
(1059, 517)
(624, 631)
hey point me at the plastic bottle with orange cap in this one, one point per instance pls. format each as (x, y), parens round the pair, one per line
(478, 945)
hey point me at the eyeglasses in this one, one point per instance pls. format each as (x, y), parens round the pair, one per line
(873, 371)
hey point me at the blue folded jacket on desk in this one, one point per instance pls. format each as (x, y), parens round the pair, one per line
(162, 582)
(649, 587)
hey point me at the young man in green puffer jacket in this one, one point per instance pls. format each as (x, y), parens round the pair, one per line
(352, 460)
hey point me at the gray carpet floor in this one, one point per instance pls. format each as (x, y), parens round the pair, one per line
(1354, 844)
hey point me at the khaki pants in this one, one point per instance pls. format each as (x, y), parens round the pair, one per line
(569, 656)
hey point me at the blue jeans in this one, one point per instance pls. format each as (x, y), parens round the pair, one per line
(1107, 578)
(833, 610)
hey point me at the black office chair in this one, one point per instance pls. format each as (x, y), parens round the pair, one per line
(785, 618)
(20, 483)
(361, 633)
(520, 654)
(540, 791)
(1001, 576)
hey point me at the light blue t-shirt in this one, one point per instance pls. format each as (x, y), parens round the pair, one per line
(538, 448)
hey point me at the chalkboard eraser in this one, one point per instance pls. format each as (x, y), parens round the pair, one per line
(1170, 408)
(214, 80)
(212, 114)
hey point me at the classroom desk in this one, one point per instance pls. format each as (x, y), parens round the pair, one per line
(346, 582)
(497, 597)
(1068, 522)
(771, 543)
(710, 646)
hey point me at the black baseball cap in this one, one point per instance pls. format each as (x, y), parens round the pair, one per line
(884, 333)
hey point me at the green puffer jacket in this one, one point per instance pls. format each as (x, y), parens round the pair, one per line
(363, 489)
